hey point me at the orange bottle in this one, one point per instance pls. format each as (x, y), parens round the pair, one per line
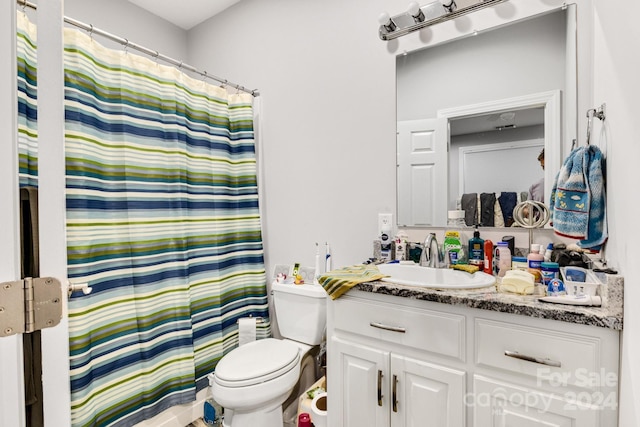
(488, 257)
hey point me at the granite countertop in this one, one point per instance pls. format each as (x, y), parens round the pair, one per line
(609, 315)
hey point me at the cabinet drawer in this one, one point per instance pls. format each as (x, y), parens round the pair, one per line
(551, 357)
(434, 331)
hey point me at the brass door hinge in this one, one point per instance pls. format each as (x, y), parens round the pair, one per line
(29, 305)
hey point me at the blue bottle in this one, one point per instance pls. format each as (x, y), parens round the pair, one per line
(476, 248)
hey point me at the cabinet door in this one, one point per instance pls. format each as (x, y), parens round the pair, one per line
(426, 395)
(358, 380)
(499, 404)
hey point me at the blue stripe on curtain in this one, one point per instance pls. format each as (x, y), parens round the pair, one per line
(27, 101)
(162, 223)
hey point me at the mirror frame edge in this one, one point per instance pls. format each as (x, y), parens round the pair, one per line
(577, 95)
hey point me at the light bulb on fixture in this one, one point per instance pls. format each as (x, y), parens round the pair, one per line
(415, 12)
(385, 20)
(449, 5)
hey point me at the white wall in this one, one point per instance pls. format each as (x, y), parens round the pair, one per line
(328, 92)
(124, 19)
(616, 70)
(504, 63)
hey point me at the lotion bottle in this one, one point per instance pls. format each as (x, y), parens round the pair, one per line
(535, 258)
(503, 254)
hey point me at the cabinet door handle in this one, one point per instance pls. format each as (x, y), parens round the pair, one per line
(533, 359)
(379, 387)
(388, 327)
(395, 394)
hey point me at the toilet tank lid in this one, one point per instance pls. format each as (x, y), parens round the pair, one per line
(309, 290)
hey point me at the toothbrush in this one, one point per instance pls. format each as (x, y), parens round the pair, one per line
(327, 257)
(317, 274)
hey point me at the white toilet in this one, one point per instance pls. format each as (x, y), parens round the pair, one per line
(254, 380)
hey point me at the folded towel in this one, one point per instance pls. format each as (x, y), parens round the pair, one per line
(578, 204)
(508, 201)
(498, 219)
(487, 209)
(469, 204)
(337, 282)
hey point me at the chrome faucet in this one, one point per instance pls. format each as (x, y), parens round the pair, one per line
(430, 256)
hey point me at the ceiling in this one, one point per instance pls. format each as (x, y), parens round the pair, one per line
(497, 121)
(186, 14)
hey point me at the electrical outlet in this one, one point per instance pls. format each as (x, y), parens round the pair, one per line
(385, 222)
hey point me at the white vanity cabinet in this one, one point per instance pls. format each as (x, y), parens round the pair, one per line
(379, 372)
(396, 361)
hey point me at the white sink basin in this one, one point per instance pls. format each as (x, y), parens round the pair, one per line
(439, 278)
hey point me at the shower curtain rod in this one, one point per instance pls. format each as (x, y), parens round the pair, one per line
(153, 53)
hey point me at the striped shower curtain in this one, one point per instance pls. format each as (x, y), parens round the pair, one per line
(162, 224)
(27, 101)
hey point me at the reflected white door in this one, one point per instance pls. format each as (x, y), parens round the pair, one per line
(422, 172)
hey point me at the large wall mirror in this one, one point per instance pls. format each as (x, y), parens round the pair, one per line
(475, 113)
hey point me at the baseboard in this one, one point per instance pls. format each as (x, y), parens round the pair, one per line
(179, 415)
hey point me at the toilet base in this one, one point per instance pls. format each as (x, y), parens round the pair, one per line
(270, 418)
(308, 375)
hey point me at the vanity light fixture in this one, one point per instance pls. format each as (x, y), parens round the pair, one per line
(415, 12)
(385, 22)
(449, 5)
(417, 17)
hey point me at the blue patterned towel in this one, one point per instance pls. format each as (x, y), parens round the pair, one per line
(578, 204)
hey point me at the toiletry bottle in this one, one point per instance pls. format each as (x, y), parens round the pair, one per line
(476, 249)
(385, 245)
(547, 253)
(535, 258)
(304, 420)
(488, 257)
(401, 246)
(511, 244)
(452, 248)
(504, 258)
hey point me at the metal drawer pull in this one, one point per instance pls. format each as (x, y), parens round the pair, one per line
(379, 387)
(395, 394)
(387, 327)
(539, 360)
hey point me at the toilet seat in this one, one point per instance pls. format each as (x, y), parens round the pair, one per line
(257, 362)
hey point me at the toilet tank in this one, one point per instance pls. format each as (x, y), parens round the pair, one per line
(301, 311)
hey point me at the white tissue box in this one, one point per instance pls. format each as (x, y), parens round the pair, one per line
(580, 281)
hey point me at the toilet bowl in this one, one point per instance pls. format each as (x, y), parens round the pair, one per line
(253, 381)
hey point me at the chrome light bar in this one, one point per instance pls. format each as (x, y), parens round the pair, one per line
(429, 14)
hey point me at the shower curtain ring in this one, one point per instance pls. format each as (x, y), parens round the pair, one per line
(91, 31)
(126, 45)
(204, 76)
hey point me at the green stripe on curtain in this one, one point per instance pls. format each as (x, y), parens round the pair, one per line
(162, 223)
(27, 101)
